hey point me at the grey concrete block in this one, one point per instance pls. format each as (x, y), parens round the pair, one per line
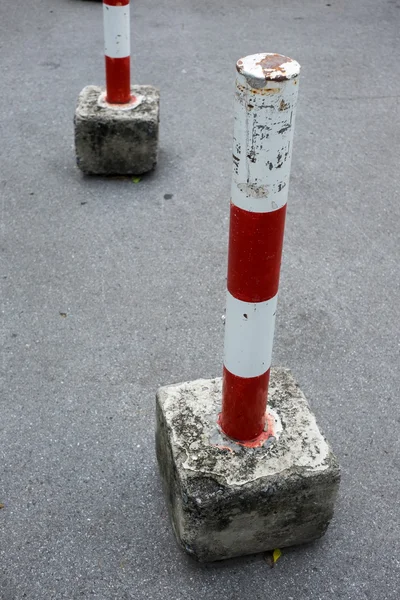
(111, 141)
(227, 500)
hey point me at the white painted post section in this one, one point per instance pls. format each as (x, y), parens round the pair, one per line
(117, 43)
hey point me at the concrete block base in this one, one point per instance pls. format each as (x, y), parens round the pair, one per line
(228, 500)
(113, 141)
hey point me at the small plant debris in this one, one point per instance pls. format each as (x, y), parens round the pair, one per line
(272, 557)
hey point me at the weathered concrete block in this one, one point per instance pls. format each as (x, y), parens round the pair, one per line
(111, 141)
(227, 500)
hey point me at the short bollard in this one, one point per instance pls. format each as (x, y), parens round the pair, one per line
(251, 477)
(117, 51)
(116, 127)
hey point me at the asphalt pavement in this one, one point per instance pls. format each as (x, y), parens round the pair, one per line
(111, 288)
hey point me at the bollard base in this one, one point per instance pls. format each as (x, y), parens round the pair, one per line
(112, 140)
(228, 500)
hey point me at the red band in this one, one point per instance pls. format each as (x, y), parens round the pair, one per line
(118, 80)
(116, 2)
(244, 404)
(255, 252)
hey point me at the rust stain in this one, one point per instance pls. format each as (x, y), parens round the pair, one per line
(259, 91)
(239, 66)
(283, 105)
(273, 63)
(264, 91)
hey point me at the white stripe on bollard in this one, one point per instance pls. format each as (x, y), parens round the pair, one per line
(249, 336)
(116, 31)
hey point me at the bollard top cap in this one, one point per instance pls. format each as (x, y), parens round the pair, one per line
(260, 68)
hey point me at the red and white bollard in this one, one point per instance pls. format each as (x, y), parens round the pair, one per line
(265, 102)
(117, 51)
(122, 138)
(293, 460)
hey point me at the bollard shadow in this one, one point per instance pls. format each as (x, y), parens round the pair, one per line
(80, 1)
(237, 562)
(160, 168)
(145, 177)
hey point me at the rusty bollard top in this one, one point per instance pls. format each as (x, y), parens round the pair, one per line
(258, 69)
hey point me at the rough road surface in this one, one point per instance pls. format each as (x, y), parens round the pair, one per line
(111, 288)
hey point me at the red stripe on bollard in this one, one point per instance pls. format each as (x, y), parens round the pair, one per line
(243, 405)
(118, 80)
(116, 2)
(117, 51)
(255, 252)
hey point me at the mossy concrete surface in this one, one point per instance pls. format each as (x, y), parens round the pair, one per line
(227, 500)
(112, 141)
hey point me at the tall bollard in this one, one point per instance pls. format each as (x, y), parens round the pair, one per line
(117, 50)
(238, 486)
(265, 105)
